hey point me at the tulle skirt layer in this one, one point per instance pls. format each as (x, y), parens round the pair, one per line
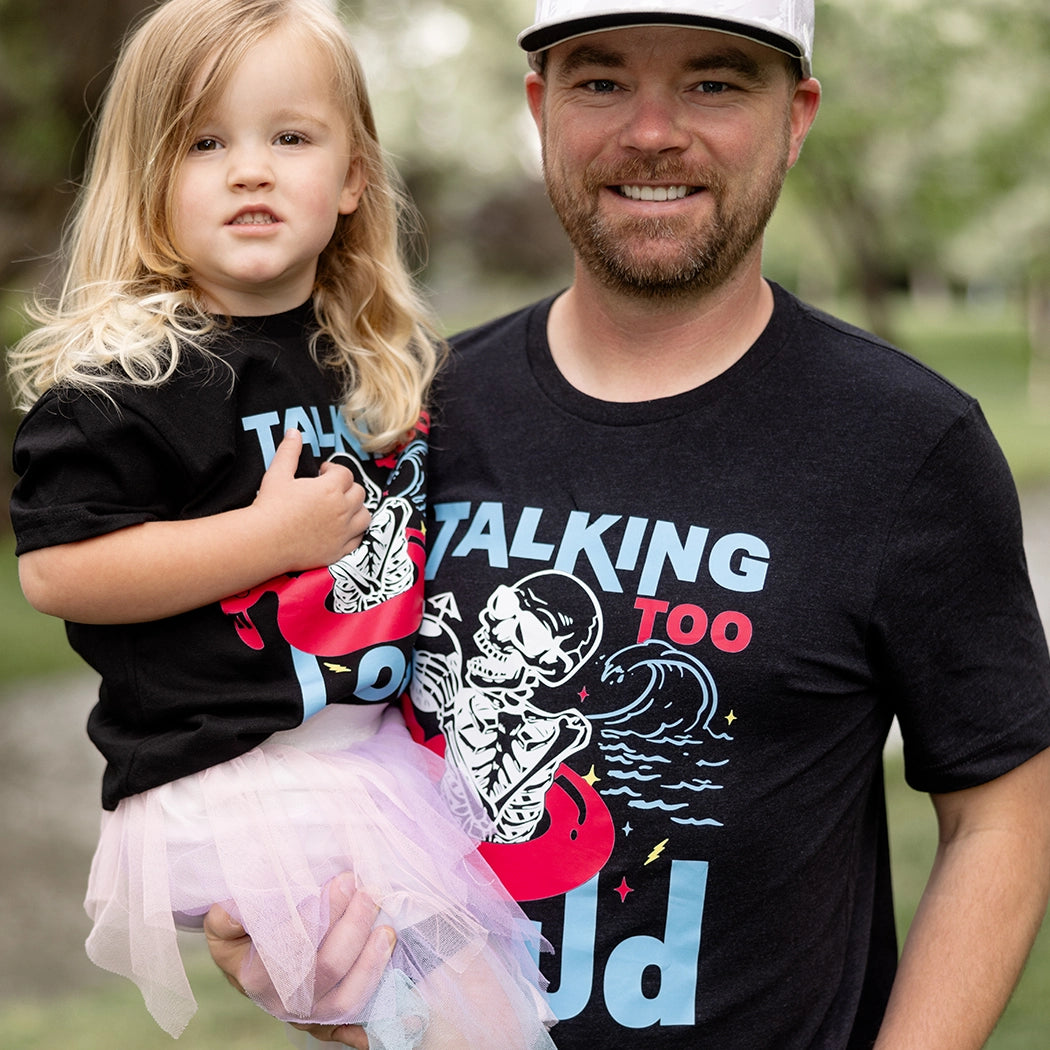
(264, 835)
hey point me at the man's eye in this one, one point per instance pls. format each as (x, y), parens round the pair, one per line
(712, 87)
(204, 146)
(600, 87)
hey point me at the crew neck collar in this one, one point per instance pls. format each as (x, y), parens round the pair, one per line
(626, 413)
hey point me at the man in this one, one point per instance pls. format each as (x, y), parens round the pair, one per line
(694, 546)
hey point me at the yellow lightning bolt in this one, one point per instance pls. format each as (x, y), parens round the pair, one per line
(337, 668)
(657, 850)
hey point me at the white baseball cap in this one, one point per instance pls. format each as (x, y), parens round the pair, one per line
(786, 25)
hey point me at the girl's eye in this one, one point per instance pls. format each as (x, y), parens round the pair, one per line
(204, 146)
(290, 138)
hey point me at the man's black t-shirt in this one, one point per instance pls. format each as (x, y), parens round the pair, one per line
(666, 641)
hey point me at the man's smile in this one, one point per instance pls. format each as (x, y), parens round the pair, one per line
(656, 193)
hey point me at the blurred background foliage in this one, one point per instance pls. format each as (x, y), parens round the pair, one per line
(922, 191)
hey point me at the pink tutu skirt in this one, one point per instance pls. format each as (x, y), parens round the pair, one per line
(347, 792)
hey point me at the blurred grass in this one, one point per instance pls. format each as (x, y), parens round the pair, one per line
(982, 350)
(112, 1016)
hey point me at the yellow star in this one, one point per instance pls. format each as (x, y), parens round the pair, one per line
(730, 718)
(592, 778)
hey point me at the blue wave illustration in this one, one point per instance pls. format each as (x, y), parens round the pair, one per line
(626, 760)
(660, 735)
(658, 804)
(653, 664)
(633, 756)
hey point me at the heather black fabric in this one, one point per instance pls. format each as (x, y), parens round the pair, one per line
(667, 639)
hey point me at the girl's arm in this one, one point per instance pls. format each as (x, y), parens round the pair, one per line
(162, 568)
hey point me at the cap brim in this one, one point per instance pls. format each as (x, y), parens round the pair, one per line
(544, 35)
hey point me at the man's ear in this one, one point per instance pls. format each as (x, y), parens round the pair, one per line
(804, 105)
(535, 90)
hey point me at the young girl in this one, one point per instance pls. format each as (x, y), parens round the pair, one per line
(236, 329)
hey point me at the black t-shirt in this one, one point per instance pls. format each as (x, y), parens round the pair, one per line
(667, 639)
(183, 693)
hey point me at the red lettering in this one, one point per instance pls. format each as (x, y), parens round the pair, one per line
(649, 607)
(697, 619)
(731, 632)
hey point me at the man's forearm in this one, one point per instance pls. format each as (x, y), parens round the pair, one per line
(980, 913)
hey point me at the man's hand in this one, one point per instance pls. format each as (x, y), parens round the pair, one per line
(350, 961)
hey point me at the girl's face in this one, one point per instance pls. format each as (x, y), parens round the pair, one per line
(269, 172)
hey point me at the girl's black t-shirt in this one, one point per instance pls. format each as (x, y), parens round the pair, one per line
(183, 693)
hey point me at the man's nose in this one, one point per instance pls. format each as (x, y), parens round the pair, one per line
(655, 124)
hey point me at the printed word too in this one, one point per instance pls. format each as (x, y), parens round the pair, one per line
(687, 624)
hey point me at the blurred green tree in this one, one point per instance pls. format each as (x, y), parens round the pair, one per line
(53, 67)
(927, 165)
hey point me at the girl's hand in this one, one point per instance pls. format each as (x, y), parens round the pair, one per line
(315, 521)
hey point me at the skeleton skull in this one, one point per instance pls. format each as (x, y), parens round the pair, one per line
(542, 629)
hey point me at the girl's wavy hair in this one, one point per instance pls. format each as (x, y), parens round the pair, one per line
(128, 308)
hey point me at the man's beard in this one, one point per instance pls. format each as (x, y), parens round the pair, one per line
(690, 258)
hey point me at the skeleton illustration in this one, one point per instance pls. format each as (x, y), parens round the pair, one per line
(533, 637)
(380, 581)
(380, 568)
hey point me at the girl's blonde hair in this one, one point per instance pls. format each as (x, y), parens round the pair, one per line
(128, 303)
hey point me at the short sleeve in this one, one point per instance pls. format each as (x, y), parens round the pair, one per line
(956, 633)
(89, 465)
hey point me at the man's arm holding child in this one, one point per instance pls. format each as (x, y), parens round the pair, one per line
(350, 961)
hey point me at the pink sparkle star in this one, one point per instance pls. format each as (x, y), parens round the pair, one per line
(623, 889)
(583, 694)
